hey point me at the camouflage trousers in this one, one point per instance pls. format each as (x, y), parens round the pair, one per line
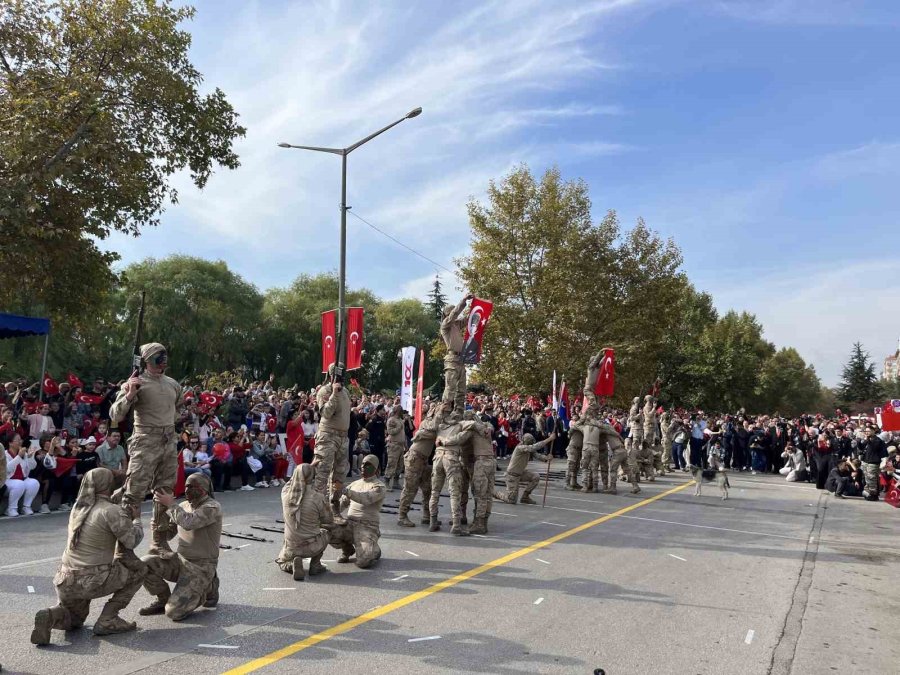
(308, 548)
(75, 588)
(152, 465)
(644, 461)
(354, 536)
(394, 459)
(595, 467)
(446, 467)
(620, 459)
(332, 451)
(870, 471)
(195, 583)
(455, 381)
(666, 454)
(484, 470)
(529, 478)
(416, 478)
(573, 454)
(467, 462)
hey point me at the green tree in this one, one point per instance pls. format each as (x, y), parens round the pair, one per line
(395, 325)
(563, 287)
(858, 380)
(436, 298)
(787, 384)
(99, 106)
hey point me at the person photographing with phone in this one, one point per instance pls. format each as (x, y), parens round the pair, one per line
(153, 465)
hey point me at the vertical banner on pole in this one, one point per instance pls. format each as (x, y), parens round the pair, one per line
(419, 388)
(479, 313)
(407, 362)
(554, 402)
(354, 337)
(329, 334)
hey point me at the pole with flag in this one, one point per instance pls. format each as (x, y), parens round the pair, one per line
(419, 389)
(554, 402)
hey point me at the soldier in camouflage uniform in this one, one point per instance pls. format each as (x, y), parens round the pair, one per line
(307, 521)
(453, 332)
(360, 531)
(476, 437)
(152, 448)
(88, 570)
(595, 457)
(649, 455)
(332, 443)
(447, 467)
(517, 471)
(618, 458)
(634, 444)
(573, 453)
(396, 446)
(415, 463)
(668, 433)
(197, 522)
(590, 380)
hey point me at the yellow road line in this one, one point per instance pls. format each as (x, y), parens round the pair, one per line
(350, 624)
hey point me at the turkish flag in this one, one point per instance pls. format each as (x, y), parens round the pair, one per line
(51, 388)
(606, 378)
(189, 396)
(74, 381)
(479, 313)
(890, 416)
(90, 399)
(271, 424)
(329, 339)
(209, 400)
(64, 465)
(354, 337)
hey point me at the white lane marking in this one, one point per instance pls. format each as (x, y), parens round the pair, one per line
(678, 557)
(480, 535)
(542, 561)
(544, 522)
(511, 515)
(244, 546)
(226, 524)
(333, 560)
(415, 555)
(17, 566)
(218, 646)
(422, 639)
(538, 601)
(31, 589)
(749, 638)
(402, 576)
(284, 588)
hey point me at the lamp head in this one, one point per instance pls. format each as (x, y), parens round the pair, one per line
(284, 145)
(413, 113)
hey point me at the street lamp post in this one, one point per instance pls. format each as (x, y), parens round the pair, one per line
(342, 274)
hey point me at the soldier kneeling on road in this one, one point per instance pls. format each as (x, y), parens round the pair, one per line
(516, 470)
(307, 521)
(198, 524)
(359, 532)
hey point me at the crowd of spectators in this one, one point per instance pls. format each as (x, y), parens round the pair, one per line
(252, 437)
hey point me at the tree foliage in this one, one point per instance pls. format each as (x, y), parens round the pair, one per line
(858, 380)
(99, 106)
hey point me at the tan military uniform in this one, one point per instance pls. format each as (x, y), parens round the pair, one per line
(88, 569)
(447, 467)
(415, 465)
(595, 458)
(476, 438)
(517, 472)
(332, 445)
(618, 458)
(307, 521)
(360, 532)
(668, 433)
(193, 566)
(590, 380)
(573, 454)
(454, 368)
(396, 446)
(152, 448)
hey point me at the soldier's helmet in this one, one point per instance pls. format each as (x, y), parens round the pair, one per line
(527, 439)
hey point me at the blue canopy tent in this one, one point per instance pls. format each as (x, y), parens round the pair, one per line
(13, 325)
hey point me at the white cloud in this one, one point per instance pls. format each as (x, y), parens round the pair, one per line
(812, 12)
(822, 310)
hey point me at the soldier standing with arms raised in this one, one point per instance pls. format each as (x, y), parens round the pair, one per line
(452, 328)
(332, 443)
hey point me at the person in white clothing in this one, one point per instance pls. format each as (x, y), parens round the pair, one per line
(40, 422)
(19, 463)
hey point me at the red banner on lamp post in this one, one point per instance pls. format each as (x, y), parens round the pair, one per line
(329, 339)
(354, 337)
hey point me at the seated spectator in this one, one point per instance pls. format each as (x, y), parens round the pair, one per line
(220, 465)
(112, 456)
(63, 479)
(259, 464)
(20, 488)
(795, 469)
(280, 463)
(239, 444)
(86, 459)
(50, 445)
(360, 450)
(196, 459)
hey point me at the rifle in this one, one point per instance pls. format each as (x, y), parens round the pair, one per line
(136, 353)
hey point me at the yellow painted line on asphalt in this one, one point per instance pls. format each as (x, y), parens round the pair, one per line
(379, 612)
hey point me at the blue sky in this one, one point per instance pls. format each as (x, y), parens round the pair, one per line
(762, 135)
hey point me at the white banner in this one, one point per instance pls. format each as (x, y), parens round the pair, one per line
(408, 359)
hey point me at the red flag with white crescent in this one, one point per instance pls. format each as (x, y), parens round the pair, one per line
(329, 338)
(479, 313)
(89, 399)
(606, 378)
(419, 388)
(74, 381)
(354, 337)
(51, 387)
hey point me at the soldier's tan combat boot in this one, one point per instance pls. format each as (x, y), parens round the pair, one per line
(426, 515)
(635, 490)
(316, 566)
(479, 526)
(212, 596)
(44, 621)
(109, 622)
(587, 485)
(463, 519)
(459, 530)
(297, 566)
(435, 524)
(158, 606)
(570, 480)
(526, 498)
(575, 485)
(404, 521)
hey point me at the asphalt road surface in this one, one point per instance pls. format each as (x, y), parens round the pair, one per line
(778, 579)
